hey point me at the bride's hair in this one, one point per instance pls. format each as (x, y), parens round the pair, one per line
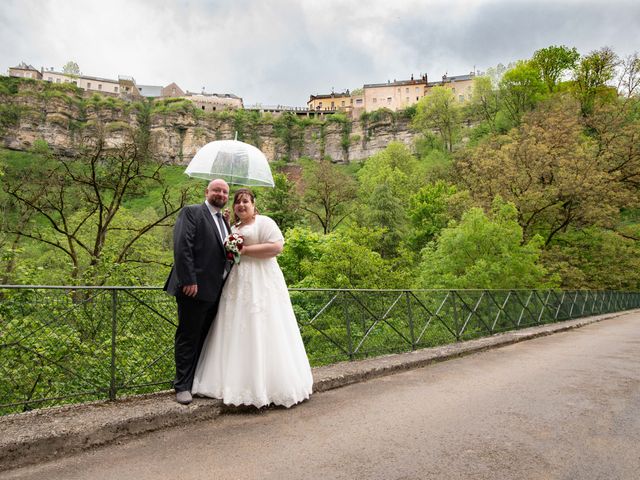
(242, 192)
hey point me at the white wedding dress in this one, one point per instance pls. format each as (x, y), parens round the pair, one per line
(253, 354)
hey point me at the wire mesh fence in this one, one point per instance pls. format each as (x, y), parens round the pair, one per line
(76, 344)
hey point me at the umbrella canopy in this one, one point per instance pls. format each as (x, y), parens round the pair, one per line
(237, 163)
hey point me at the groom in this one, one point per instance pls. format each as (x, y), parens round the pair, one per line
(199, 269)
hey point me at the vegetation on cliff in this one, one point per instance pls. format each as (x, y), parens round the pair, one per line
(545, 156)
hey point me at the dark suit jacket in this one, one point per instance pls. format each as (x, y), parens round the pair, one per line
(198, 254)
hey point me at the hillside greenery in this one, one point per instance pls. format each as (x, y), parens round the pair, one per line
(552, 141)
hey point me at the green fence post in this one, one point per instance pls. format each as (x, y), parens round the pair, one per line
(114, 324)
(411, 332)
(455, 316)
(347, 318)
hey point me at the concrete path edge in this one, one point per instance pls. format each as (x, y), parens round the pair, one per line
(44, 434)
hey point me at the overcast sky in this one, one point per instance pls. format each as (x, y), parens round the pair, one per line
(281, 51)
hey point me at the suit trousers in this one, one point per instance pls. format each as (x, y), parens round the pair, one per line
(194, 321)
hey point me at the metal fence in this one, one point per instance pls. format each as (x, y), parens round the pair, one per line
(75, 344)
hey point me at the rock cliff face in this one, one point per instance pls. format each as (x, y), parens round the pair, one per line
(63, 118)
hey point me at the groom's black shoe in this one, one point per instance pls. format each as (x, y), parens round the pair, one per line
(184, 397)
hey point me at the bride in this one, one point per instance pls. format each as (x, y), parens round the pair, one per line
(253, 354)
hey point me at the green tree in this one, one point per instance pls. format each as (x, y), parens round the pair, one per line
(629, 81)
(328, 194)
(485, 102)
(553, 62)
(387, 181)
(484, 252)
(432, 208)
(281, 202)
(395, 166)
(521, 88)
(75, 205)
(71, 68)
(438, 111)
(344, 263)
(595, 258)
(299, 254)
(592, 76)
(384, 211)
(556, 175)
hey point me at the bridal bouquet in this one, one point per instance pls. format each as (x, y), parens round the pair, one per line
(233, 244)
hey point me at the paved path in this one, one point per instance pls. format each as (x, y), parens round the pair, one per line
(564, 406)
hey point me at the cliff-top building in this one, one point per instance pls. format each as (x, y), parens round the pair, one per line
(211, 102)
(330, 102)
(25, 71)
(461, 86)
(126, 86)
(396, 95)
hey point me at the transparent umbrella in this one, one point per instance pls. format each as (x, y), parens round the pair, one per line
(237, 163)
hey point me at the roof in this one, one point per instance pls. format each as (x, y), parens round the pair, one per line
(452, 79)
(84, 77)
(397, 83)
(24, 66)
(329, 95)
(219, 95)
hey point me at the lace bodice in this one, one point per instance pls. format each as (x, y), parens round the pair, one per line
(262, 230)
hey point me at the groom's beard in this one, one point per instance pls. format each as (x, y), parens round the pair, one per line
(218, 203)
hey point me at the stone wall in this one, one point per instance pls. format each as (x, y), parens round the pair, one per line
(61, 121)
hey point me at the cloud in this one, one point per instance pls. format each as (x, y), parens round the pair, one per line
(281, 51)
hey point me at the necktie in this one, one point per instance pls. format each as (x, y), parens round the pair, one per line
(223, 230)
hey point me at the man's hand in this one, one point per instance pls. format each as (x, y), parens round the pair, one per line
(190, 290)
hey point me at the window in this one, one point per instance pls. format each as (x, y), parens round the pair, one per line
(115, 89)
(99, 86)
(407, 90)
(417, 89)
(358, 101)
(407, 99)
(57, 80)
(50, 79)
(417, 98)
(88, 85)
(389, 100)
(375, 100)
(343, 103)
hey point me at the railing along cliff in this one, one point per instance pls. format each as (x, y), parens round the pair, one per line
(74, 344)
